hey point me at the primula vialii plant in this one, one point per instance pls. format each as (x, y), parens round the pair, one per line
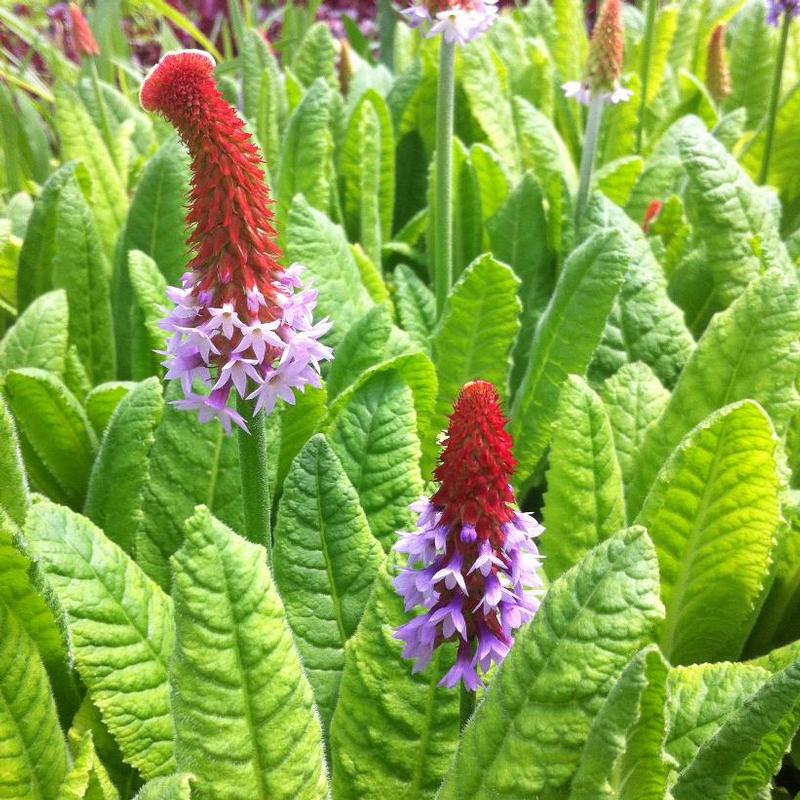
(478, 579)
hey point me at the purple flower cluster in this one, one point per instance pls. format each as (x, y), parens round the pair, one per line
(775, 8)
(261, 359)
(458, 21)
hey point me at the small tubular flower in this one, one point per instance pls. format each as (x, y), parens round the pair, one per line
(458, 21)
(85, 43)
(604, 67)
(718, 77)
(776, 9)
(240, 322)
(473, 565)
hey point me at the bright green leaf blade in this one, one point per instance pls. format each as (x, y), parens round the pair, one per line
(375, 437)
(174, 787)
(39, 336)
(565, 339)
(33, 753)
(298, 423)
(524, 739)
(102, 402)
(713, 514)
(120, 630)
(87, 778)
(570, 46)
(749, 351)
(325, 562)
(14, 495)
(315, 57)
(113, 500)
(585, 502)
(393, 732)
(149, 288)
(245, 720)
(416, 306)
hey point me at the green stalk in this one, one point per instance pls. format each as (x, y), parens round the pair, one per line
(253, 465)
(105, 125)
(774, 99)
(466, 705)
(443, 212)
(589, 152)
(647, 57)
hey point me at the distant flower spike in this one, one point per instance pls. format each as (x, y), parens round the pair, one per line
(459, 21)
(604, 67)
(776, 8)
(718, 77)
(651, 214)
(240, 321)
(85, 43)
(479, 578)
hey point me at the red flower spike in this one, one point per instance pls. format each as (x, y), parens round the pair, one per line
(718, 76)
(607, 47)
(85, 42)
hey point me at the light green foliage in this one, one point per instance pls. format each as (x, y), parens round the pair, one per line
(298, 423)
(570, 46)
(416, 306)
(33, 754)
(326, 560)
(87, 778)
(102, 401)
(58, 442)
(13, 481)
(39, 336)
(375, 438)
(617, 178)
(190, 464)
(525, 737)
(394, 731)
(749, 351)
(174, 787)
(113, 500)
(476, 332)
(713, 514)
(149, 289)
(634, 399)
(244, 716)
(584, 503)
(120, 631)
(492, 177)
(316, 56)
(565, 339)
(314, 241)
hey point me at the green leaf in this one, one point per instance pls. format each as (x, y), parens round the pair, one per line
(747, 750)
(313, 240)
(81, 140)
(749, 351)
(190, 464)
(113, 500)
(244, 718)
(617, 178)
(492, 178)
(635, 400)
(39, 336)
(315, 57)
(14, 495)
(477, 330)
(80, 268)
(416, 306)
(570, 47)
(518, 235)
(565, 339)
(367, 168)
(306, 155)
(325, 562)
(120, 630)
(174, 787)
(298, 423)
(56, 430)
(525, 738)
(102, 401)
(149, 290)
(393, 732)
(375, 438)
(33, 755)
(713, 514)
(645, 324)
(584, 503)
(87, 778)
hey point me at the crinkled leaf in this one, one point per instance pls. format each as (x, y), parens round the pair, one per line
(244, 718)
(174, 787)
(87, 778)
(316, 56)
(14, 496)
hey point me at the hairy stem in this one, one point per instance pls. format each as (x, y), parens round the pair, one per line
(253, 465)
(466, 705)
(589, 153)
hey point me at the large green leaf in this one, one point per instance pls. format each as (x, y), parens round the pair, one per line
(101, 402)
(33, 753)
(174, 787)
(749, 351)
(39, 337)
(477, 330)
(713, 514)
(315, 57)
(634, 399)
(416, 306)
(525, 738)
(570, 46)
(565, 339)
(58, 441)
(190, 464)
(245, 720)
(325, 562)
(14, 495)
(87, 778)
(298, 423)
(120, 631)
(80, 267)
(393, 732)
(584, 503)
(314, 241)
(149, 288)
(113, 500)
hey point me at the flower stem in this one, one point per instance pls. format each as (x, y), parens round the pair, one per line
(466, 705)
(774, 99)
(589, 153)
(443, 251)
(647, 57)
(253, 465)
